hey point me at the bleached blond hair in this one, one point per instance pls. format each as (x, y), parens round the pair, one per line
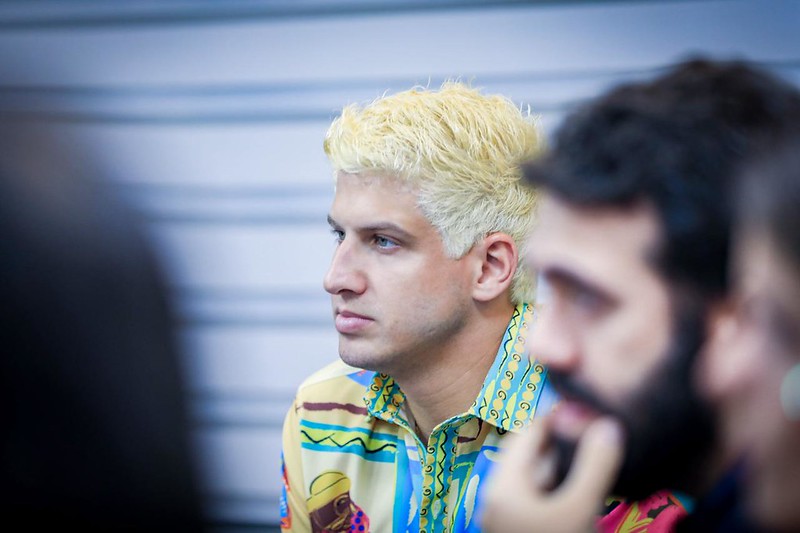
(461, 152)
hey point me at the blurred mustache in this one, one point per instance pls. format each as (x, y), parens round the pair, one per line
(570, 389)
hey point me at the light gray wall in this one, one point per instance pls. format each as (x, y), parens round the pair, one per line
(213, 113)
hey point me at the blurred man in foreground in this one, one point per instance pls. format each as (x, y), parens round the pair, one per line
(633, 239)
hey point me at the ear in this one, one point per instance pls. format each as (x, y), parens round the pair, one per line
(720, 328)
(720, 319)
(719, 359)
(496, 262)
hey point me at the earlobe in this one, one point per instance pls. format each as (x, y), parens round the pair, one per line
(721, 320)
(497, 257)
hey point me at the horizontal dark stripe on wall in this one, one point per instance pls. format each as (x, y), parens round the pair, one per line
(320, 102)
(236, 220)
(167, 13)
(211, 313)
(258, 503)
(263, 89)
(244, 205)
(187, 119)
(231, 526)
(261, 507)
(224, 192)
(262, 323)
(232, 497)
(250, 295)
(263, 409)
(202, 423)
(239, 396)
(204, 305)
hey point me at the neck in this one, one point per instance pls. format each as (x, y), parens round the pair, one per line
(449, 384)
(719, 464)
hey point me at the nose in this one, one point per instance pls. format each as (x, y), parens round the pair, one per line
(346, 273)
(552, 343)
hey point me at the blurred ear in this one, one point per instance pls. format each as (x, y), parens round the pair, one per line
(718, 353)
(496, 262)
(721, 319)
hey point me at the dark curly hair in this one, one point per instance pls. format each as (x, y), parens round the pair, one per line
(676, 143)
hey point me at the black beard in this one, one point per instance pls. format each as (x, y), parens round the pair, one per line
(669, 429)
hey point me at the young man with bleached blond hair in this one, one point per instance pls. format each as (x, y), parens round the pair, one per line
(432, 313)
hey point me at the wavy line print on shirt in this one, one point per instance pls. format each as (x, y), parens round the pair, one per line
(372, 447)
(511, 340)
(442, 456)
(330, 507)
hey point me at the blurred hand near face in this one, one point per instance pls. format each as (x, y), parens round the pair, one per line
(521, 498)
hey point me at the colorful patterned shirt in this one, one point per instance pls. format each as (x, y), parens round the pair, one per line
(352, 461)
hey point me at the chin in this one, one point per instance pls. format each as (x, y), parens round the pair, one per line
(354, 360)
(360, 358)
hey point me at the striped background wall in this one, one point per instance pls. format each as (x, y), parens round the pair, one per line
(212, 115)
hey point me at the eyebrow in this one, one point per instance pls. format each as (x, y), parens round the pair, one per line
(563, 275)
(378, 227)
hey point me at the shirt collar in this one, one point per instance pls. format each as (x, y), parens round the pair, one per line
(514, 383)
(509, 393)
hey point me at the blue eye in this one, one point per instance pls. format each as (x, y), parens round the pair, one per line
(338, 235)
(384, 242)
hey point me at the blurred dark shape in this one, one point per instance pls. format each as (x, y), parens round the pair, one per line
(93, 409)
(769, 198)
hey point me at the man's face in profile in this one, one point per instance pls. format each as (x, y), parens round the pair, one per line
(615, 341)
(396, 296)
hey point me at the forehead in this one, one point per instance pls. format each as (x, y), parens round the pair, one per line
(603, 244)
(362, 198)
(374, 179)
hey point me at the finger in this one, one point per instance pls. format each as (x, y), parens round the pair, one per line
(544, 469)
(597, 461)
(524, 449)
(510, 489)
